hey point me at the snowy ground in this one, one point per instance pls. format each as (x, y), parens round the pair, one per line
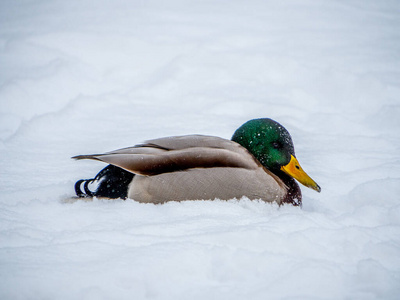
(90, 76)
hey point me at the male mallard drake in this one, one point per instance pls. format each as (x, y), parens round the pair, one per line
(259, 163)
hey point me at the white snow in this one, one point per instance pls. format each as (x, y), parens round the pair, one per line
(81, 77)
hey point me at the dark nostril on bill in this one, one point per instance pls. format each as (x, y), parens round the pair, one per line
(297, 167)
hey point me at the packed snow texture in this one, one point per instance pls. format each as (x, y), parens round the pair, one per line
(81, 77)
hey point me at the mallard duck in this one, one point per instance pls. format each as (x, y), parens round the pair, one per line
(259, 162)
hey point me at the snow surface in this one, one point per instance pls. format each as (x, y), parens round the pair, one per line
(89, 76)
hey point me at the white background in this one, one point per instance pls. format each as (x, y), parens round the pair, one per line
(80, 77)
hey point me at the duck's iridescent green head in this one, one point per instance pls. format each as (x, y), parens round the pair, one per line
(267, 140)
(273, 147)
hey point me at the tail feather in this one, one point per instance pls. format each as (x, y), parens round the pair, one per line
(112, 182)
(78, 188)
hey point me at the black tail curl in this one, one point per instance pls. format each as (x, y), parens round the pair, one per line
(112, 182)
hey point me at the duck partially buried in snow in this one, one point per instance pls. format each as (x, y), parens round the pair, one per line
(259, 163)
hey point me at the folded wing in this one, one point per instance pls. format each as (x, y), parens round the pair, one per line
(172, 154)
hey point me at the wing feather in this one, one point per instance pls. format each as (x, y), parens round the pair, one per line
(177, 154)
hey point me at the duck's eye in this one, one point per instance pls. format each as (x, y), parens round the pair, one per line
(276, 145)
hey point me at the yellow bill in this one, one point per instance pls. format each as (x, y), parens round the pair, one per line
(294, 169)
